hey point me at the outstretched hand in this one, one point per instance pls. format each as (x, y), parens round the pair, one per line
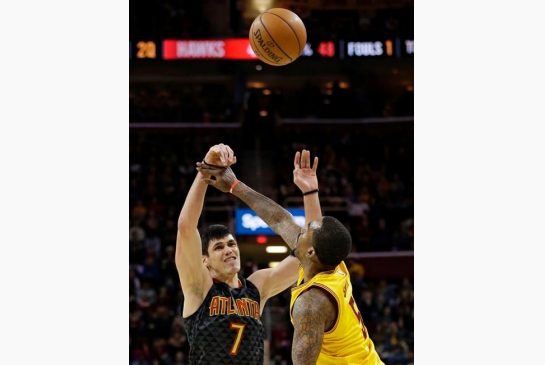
(304, 176)
(222, 178)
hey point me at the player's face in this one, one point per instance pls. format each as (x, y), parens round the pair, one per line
(224, 256)
(304, 241)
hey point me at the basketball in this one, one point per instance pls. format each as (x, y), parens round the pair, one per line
(278, 36)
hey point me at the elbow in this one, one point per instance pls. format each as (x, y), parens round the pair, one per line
(183, 224)
(181, 221)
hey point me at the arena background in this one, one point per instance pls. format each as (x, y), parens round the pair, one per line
(348, 99)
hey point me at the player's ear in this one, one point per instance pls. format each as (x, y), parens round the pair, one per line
(205, 261)
(310, 252)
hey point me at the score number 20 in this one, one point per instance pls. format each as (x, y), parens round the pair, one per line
(146, 49)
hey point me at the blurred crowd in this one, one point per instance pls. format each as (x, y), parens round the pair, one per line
(181, 102)
(197, 19)
(336, 99)
(366, 180)
(217, 103)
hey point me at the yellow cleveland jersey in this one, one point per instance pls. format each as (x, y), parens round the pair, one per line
(348, 342)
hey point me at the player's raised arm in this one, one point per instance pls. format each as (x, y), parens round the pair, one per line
(277, 279)
(278, 218)
(304, 176)
(313, 314)
(194, 277)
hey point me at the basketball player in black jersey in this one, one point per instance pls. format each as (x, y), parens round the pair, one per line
(221, 310)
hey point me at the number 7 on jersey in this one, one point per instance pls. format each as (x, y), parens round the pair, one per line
(239, 327)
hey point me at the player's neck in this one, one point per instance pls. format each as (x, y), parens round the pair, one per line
(231, 280)
(310, 272)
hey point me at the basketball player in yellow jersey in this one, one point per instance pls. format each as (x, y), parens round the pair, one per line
(329, 329)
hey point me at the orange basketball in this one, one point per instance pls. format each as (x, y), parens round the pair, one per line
(278, 36)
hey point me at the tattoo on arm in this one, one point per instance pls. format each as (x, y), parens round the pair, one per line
(312, 314)
(278, 218)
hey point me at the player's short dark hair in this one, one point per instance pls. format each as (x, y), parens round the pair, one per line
(332, 241)
(213, 232)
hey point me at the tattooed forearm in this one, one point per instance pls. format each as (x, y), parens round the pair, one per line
(278, 218)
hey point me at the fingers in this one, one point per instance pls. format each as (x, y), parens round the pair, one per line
(305, 159)
(216, 149)
(209, 181)
(209, 169)
(231, 158)
(296, 160)
(221, 151)
(302, 160)
(225, 153)
(215, 155)
(204, 169)
(230, 153)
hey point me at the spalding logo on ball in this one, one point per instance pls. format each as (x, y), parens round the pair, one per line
(278, 36)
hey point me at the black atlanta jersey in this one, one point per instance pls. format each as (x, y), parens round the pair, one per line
(227, 329)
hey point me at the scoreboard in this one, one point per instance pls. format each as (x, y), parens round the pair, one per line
(387, 48)
(240, 49)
